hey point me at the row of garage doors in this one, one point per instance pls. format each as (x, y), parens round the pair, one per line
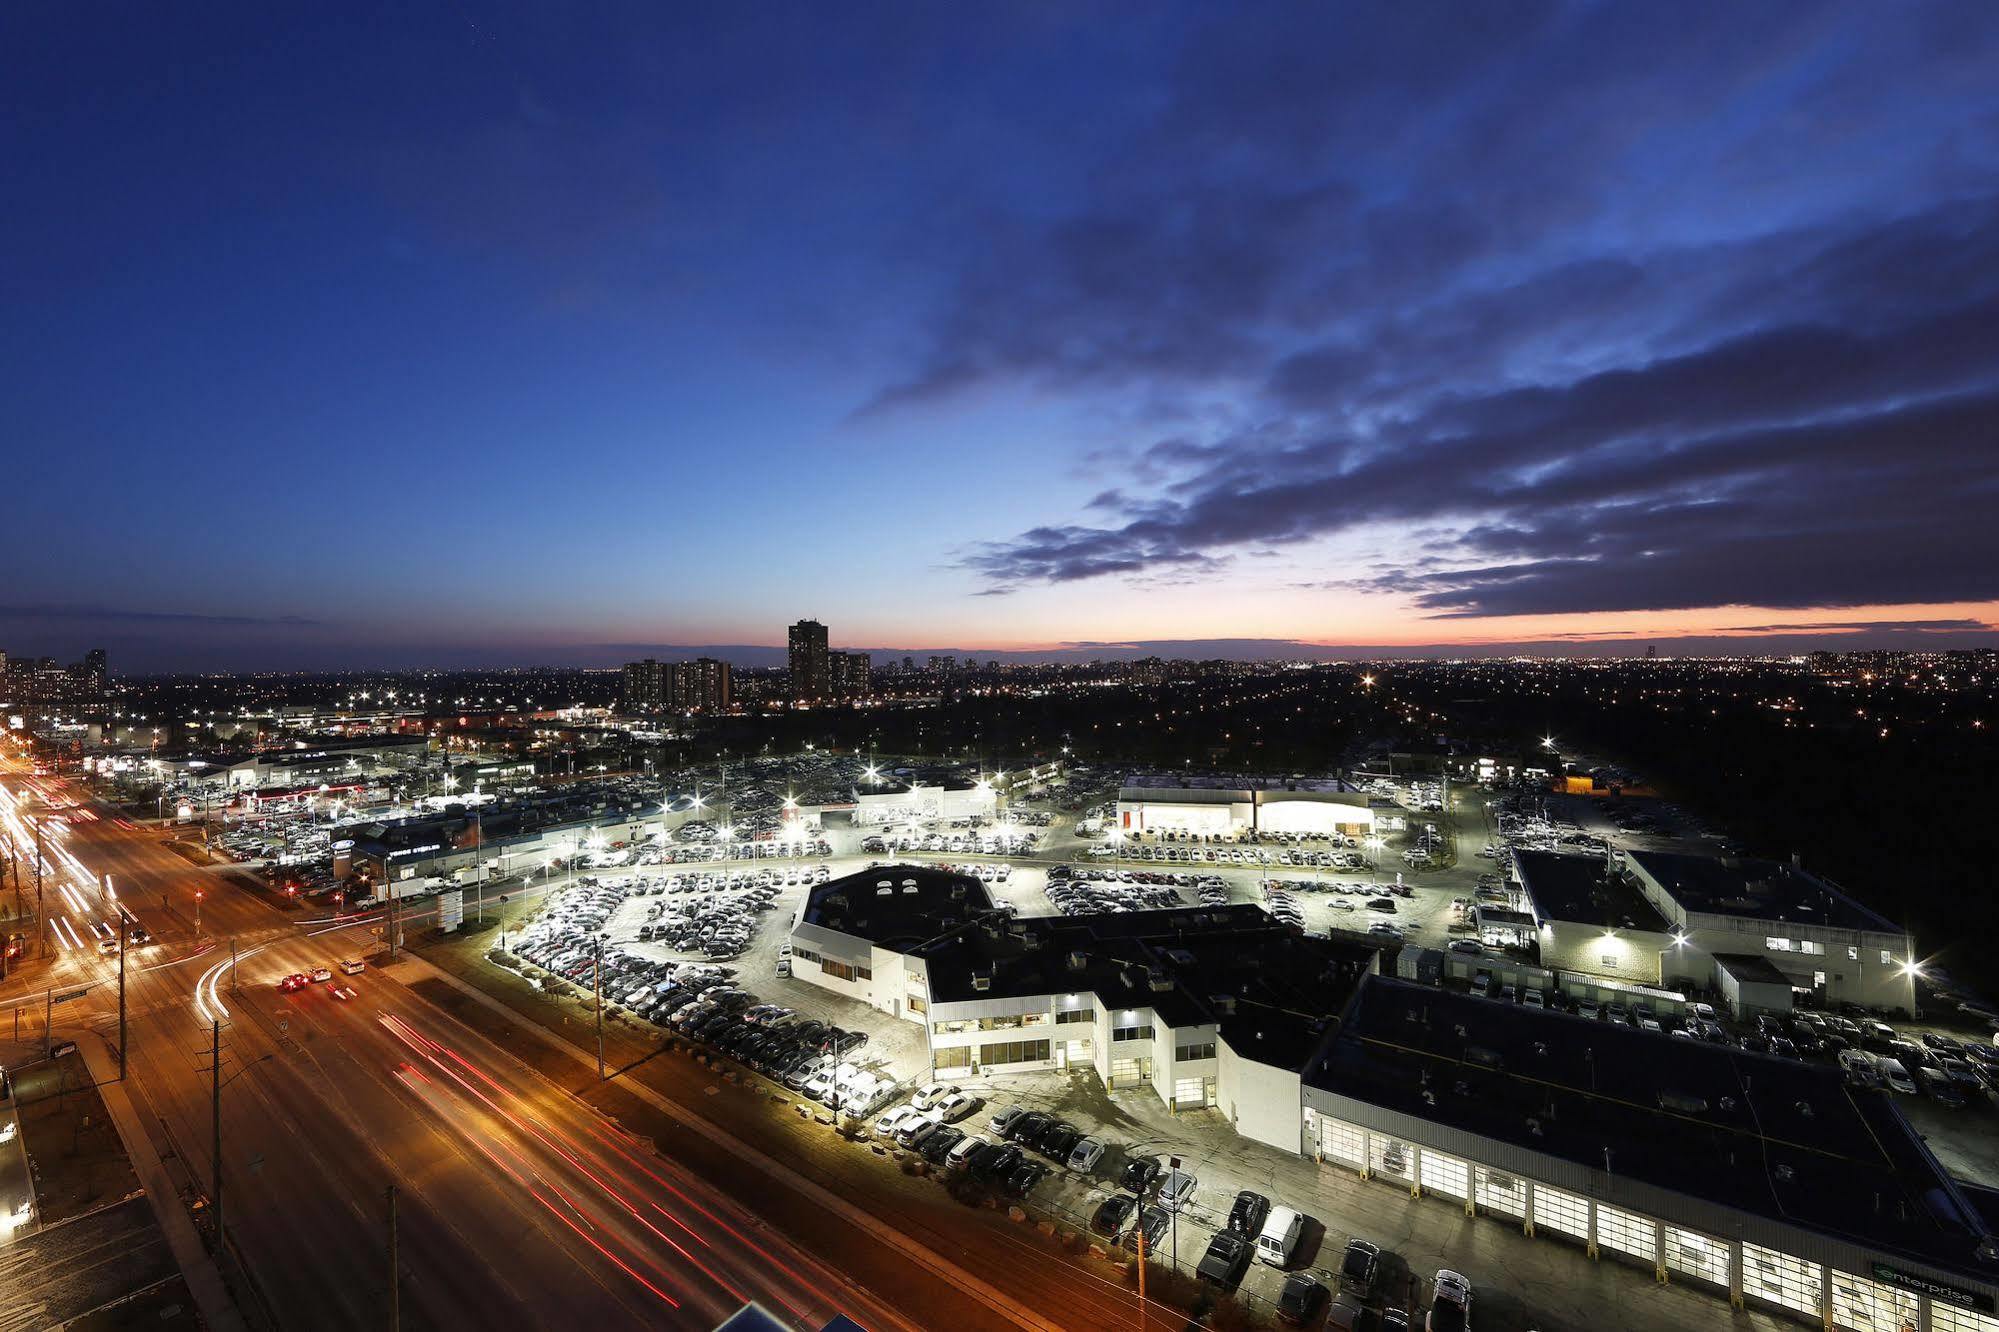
(1770, 1278)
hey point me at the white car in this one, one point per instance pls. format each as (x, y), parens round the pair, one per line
(960, 1154)
(886, 1126)
(934, 1094)
(1085, 1154)
(956, 1106)
(914, 1130)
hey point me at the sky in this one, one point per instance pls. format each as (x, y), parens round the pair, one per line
(485, 333)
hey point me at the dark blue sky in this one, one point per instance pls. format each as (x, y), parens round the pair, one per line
(486, 332)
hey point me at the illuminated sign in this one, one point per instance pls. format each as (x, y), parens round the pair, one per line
(1936, 1290)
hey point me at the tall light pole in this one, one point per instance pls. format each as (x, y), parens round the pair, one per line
(597, 984)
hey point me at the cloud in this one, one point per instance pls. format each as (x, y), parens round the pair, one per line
(1624, 309)
(1808, 464)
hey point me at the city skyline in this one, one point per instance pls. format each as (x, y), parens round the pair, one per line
(515, 339)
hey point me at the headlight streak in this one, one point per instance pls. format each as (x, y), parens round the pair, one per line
(582, 1159)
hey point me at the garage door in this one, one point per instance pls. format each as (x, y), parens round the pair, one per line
(1866, 1305)
(1343, 1142)
(1193, 1093)
(1624, 1232)
(1446, 1175)
(1693, 1254)
(1950, 1318)
(1391, 1159)
(1124, 1073)
(1501, 1193)
(1563, 1213)
(1779, 1279)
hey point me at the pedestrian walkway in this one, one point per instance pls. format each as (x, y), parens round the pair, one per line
(218, 1310)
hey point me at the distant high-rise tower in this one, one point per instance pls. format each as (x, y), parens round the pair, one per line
(701, 685)
(850, 674)
(645, 685)
(811, 667)
(93, 670)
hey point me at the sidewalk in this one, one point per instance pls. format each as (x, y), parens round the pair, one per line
(218, 1311)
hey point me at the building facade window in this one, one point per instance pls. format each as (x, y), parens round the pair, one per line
(1013, 1052)
(1131, 1033)
(1187, 1052)
(843, 971)
(952, 1056)
(1076, 1015)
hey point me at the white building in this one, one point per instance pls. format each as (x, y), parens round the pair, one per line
(1229, 806)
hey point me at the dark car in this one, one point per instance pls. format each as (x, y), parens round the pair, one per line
(1027, 1130)
(1152, 1222)
(1111, 1215)
(940, 1142)
(1300, 1300)
(1057, 1141)
(1247, 1214)
(1023, 1177)
(999, 1164)
(1359, 1268)
(1226, 1258)
(1139, 1172)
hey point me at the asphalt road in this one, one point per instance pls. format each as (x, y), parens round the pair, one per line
(517, 1204)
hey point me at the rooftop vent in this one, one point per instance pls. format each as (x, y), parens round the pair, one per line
(1683, 1103)
(1224, 1004)
(1160, 984)
(982, 979)
(1078, 959)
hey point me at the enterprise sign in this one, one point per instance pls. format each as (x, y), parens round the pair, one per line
(1936, 1290)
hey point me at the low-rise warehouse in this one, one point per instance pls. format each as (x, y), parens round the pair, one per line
(1765, 1180)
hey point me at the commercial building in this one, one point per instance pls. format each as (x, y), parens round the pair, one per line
(811, 669)
(1228, 805)
(515, 836)
(1826, 945)
(1761, 1180)
(1209, 1006)
(1758, 933)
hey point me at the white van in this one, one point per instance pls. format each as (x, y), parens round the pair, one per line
(1280, 1236)
(352, 966)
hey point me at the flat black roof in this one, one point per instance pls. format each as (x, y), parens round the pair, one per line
(1270, 992)
(1752, 967)
(1771, 1136)
(1765, 889)
(896, 906)
(1578, 888)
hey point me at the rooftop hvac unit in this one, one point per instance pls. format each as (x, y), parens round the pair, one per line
(982, 980)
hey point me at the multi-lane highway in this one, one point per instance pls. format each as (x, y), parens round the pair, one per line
(517, 1204)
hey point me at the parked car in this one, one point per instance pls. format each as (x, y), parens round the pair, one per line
(1005, 1119)
(1111, 1215)
(1139, 1172)
(1152, 1222)
(1359, 1268)
(1246, 1214)
(1450, 1303)
(1299, 1299)
(932, 1095)
(1225, 1261)
(1085, 1154)
(1176, 1190)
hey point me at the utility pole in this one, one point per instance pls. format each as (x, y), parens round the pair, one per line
(122, 1030)
(215, 1118)
(40, 934)
(390, 887)
(597, 983)
(395, 1273)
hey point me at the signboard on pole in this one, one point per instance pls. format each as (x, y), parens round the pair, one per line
(450, 909)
